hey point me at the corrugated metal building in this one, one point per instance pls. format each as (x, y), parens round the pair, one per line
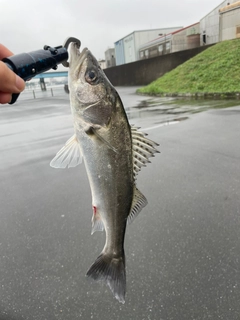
(210, 24)
(182, 39)
(230, 21)
(127, 48)
(186, 38)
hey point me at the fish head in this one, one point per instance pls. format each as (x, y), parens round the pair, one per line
(88, 85)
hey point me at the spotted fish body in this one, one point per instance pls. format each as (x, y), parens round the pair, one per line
(113, 153)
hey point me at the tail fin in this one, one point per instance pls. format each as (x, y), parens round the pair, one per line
(112, 271)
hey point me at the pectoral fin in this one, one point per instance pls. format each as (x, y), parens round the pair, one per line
(69, 156)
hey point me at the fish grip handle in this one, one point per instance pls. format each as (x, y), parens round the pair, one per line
(28, 65)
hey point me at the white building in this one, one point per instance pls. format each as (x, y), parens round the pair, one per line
(102, 64)
(210, 24)
(127, 48)
(230, 21)
(182, 39)
(110, 57)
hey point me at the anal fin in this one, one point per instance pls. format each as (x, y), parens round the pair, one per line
(138, 203)
(97, 223)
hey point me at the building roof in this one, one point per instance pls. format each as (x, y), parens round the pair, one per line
(191, 25)
(230, 7)
(221, 4)
(145, 31)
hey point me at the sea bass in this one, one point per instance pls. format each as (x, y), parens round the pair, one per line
(113, 153)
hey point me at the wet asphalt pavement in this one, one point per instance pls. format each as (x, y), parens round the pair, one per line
(183, 250)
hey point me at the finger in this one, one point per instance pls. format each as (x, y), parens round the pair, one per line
(4, 52)
(9, 81)
(5, 97)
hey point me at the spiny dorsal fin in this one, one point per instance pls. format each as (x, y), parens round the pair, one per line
(138, 203)
(143, 149)
(69, 156)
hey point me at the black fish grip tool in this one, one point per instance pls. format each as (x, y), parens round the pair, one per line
(28, 65)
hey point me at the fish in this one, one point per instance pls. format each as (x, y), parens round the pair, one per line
(113, 152)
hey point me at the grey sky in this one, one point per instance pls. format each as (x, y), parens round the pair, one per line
(27, 25)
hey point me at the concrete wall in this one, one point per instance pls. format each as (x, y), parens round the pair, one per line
(143, 72)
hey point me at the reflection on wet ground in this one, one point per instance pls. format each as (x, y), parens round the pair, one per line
(166, 111)
(179, 106)
(160, 110)
(182, 250)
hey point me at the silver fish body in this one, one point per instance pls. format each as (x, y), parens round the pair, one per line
(113, 153)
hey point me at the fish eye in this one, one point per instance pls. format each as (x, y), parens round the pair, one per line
(91, 76)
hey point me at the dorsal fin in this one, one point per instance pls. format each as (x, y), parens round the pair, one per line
(143, 149)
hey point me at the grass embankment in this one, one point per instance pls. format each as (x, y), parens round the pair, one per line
(215, 70)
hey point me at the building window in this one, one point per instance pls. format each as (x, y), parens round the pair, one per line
(141, 54)
(160, 48)
(167, 45)
(146, 53)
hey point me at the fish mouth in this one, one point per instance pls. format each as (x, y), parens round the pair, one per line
(76, 55)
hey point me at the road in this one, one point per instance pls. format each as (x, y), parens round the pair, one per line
(183, 250)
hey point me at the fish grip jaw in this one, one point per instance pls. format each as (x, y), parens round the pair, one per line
(66, 45)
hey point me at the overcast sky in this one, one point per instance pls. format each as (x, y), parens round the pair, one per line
(27, 25)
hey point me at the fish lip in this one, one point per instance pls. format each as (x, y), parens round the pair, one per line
(83, 53)
(77, 56)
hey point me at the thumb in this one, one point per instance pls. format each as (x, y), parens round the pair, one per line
(9, 81)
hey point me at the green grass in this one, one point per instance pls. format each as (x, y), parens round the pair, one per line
(215, 70)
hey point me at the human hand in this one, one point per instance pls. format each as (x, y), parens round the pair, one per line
(9, 81)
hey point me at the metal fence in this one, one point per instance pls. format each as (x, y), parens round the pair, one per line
(37, 93)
